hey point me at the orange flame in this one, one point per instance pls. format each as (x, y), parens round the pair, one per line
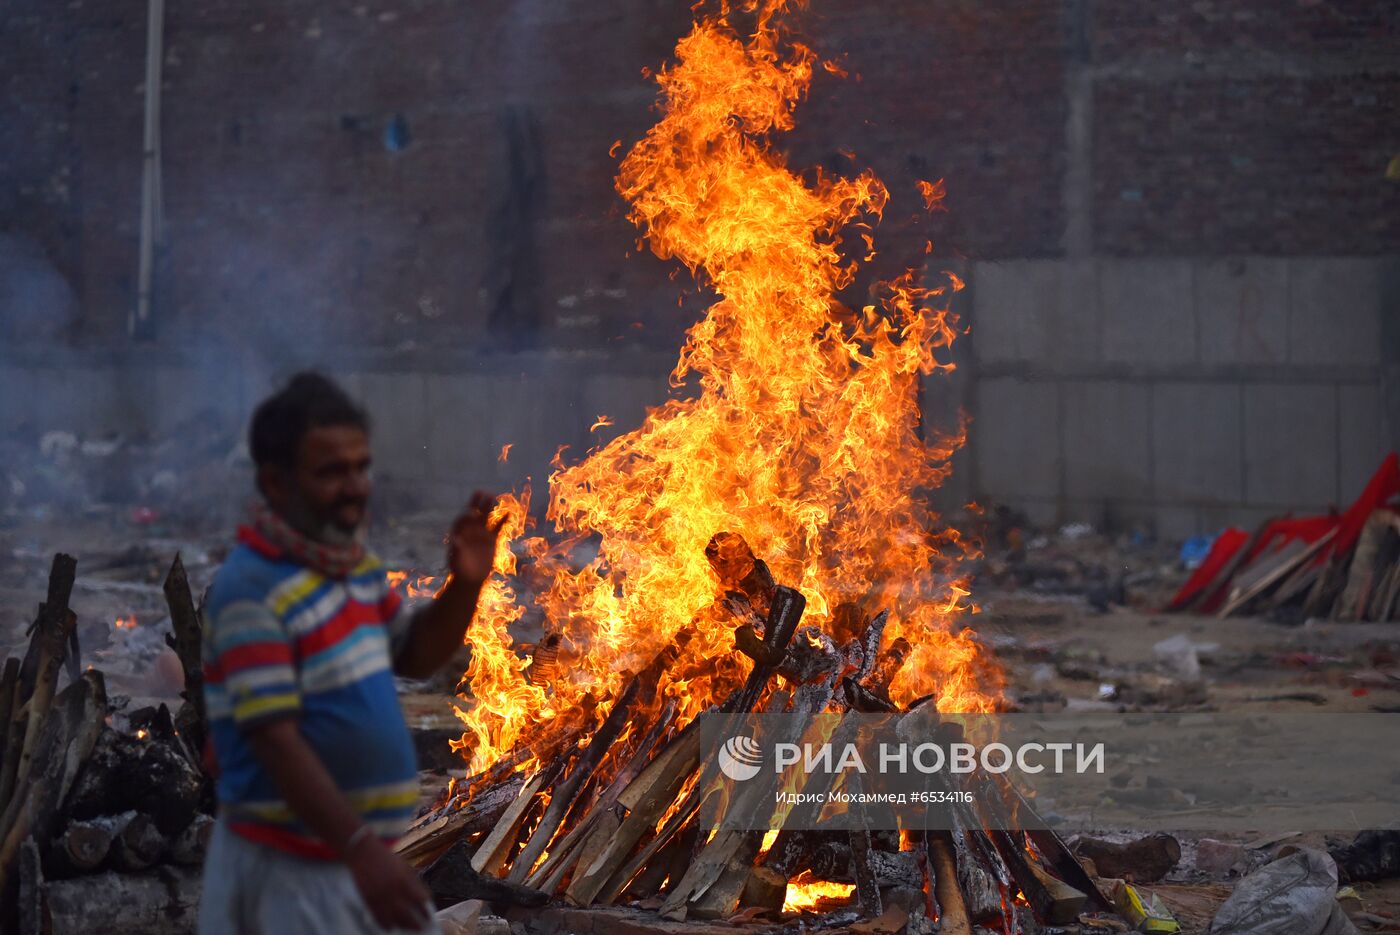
(806, 893)
(933, 193)
(125, 623)
(420, 587)
(795, 422)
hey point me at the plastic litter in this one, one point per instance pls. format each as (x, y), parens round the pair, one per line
(1294, 895)
(1145, 915)
(1195, 550)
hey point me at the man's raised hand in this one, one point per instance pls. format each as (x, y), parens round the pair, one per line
(471, 545)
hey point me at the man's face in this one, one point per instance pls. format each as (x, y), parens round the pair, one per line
(328, 488)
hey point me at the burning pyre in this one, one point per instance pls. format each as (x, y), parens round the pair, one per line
(791, 453)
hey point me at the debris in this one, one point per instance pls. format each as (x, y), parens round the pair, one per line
(1294, 895)
(1219, 857)
(1145, 860)
(1180, 655)
(1373, 855)
(1344, 567)
(1195, 550)
(1146, 915)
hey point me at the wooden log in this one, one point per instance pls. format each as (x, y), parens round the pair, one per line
(66, 741)
(609, 873)
(9, 688)
(640, 693)
(952, 911)
(163, 901)
(138, 844)
(1272, 570)
(550, 874)
(644, 801)
(669, 863)
(424, 843)
(189, 846)
(1062, 903)
(32, 894)
(831, 860)
(1143, 860)
(982, 877)
(1361, 579)
(562, 797)
(13, 743)
(1328, 588)
(53, 630)
(1216, 588)
(740, 571)
(721, 898)
(867, 885)
(82, 847)
(452, 878)
(491, 856)
(888, 666)
(750, 807)
(867, 646)
(809, 657)
(765, 889)
(185, 640)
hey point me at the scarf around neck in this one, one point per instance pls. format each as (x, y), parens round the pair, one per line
(334, 560)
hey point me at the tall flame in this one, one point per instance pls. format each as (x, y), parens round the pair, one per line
(795, 422)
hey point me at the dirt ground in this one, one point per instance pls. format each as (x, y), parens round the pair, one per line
(1064, 647)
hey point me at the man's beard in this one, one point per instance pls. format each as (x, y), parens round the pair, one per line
(301, 517)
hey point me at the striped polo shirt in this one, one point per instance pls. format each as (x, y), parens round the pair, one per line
(281, 640)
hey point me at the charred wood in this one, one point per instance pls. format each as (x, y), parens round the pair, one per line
(189, 846)
(138, 843)
(32, 896)
(162, 901)
(425, 842)
(741, 573)
(184, 620)
(146, 775)
(65, 743)
(82, 847)
(452, 879)
(832, 861)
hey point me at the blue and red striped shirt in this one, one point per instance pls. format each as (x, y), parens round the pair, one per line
(282, 641)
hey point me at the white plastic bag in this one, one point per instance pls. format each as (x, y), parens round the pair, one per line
(1294, 895)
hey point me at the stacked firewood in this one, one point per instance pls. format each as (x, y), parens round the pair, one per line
(597, 822)
(103, 829)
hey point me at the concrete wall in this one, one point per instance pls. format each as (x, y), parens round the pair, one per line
(439, 419)
(1177, 395)
(1184, 394)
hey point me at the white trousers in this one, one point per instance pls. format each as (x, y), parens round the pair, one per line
(252, 889)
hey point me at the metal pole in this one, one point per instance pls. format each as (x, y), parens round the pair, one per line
(138, 325)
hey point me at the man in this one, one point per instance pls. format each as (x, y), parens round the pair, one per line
(317, 774)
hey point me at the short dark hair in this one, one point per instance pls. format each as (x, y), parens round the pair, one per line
(309, 400)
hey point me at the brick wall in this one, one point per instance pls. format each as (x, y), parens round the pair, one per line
(1239, 127)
